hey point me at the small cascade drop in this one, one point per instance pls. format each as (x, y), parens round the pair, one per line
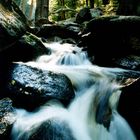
(64, 54)
(92, 115)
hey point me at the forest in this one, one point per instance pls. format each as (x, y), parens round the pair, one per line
(69, 69)
(57, 10)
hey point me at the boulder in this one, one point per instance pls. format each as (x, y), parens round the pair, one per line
(111, 35)
(121, 76)
(129, 7)
(27, 48)
(30, 87)
(129, 106)
(83, 15)
(15, 43)
(7, 118)
(13, 24)
(49, 130)
(63, 31)
(86, 14)
(96, 12)
(128, 62)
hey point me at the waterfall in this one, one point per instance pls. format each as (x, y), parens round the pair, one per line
(92, 115)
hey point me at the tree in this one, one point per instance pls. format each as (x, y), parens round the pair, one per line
(31, 10)
(62, 14)
(87, 3)
(23, 5)
(42, 11)
(91, 3)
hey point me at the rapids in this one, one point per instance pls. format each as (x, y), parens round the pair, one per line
(92, 115)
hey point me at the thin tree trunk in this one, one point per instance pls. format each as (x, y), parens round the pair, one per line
(45, 9)
(86, 3)
(91, 3)
(31, 9)
(63, 12)
(23, 6)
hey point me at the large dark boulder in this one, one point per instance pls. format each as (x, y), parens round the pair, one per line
(86, 14)
(30, 87)
(129, 7)
(83, 15)
(109, 37)
(13, 24)
(27, 48)
(15, 43)
(63, 31)
(129, 106)
(7, 118)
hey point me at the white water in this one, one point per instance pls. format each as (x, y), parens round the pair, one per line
(97, 92)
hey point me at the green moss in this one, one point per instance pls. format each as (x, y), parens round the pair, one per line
(13, 82)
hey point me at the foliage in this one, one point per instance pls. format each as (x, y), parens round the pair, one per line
(57, 8)
(64, 9)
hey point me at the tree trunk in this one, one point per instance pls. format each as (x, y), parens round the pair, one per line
(31, 10)
(63, 12)
(23, 6)
(91, 3)
(45, 9)
(86, 3)
(42, 11)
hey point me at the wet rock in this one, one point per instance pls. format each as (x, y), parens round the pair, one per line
(30, 87)
(15, 43)
(34, 45)
(128, 62)
(62, 31)
(27, 48)
(50, 129)
(129, 106)
(13, 24)
(129, 7)
(71, 26)
(96, 12)
(7, 118)
(86, 14)
(102, 35)
(123, 77)
(83, 15)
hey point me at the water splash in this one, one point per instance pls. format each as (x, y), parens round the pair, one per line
(93, 113)
(64, 54)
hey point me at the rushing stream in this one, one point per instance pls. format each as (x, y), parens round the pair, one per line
(92, 115)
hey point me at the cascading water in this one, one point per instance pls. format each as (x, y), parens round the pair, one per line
(92, 115)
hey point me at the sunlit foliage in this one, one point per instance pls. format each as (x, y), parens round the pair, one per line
(64, 9)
